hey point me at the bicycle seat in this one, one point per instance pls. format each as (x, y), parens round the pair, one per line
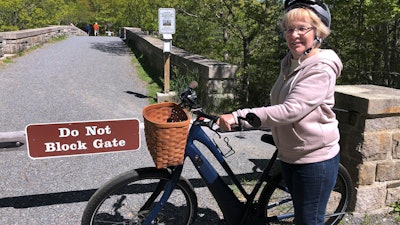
(267, 138)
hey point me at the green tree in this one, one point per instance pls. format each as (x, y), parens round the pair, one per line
(235, 32)
(9, 14)
(25, 14)
(81, 11)
(367, 40)
(105, 12)
(143, 14)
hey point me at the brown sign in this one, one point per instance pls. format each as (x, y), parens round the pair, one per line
(77, 138)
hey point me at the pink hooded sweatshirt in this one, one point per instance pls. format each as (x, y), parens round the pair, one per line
(303, 124)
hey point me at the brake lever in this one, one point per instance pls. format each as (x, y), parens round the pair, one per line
(240, 120)
(201, 117)
(210, 125)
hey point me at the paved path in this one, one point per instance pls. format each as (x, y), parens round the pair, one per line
(80, 79)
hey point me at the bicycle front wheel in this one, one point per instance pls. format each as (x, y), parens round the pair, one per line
(129, 198)
(276, 203)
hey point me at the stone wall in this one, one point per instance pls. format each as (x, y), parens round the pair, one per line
(17, 41)
(369, 124)
(1, 47)
(217, 77)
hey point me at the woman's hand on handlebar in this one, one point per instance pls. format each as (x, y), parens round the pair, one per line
(226, 121)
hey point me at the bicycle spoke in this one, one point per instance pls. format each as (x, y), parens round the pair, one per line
(131, 199)
(277, 205)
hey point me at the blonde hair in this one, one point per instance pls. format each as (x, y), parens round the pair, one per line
(309, 16)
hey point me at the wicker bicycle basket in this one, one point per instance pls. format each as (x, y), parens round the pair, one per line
(166, 127)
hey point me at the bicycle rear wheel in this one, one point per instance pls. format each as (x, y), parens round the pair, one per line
(128, 199)
(276, 201)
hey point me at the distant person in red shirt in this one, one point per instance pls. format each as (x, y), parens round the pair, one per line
(96, 29)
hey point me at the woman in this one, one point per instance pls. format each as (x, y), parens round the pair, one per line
(303, 124)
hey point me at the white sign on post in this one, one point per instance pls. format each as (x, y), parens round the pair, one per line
(166, 21)
(167, 42)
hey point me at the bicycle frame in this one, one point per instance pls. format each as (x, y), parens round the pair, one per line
(231, 207)
(235, 212)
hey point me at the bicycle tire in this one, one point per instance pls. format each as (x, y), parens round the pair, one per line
(120, 200)
(275, 200)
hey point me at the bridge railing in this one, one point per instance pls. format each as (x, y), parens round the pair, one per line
(216, 77)
(13, 42)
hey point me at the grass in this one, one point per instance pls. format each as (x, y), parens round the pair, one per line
(396, 210)
(368, 219)
(247, 183)
(154, 83)
(152, 87)
(5, 61)
(57, 39)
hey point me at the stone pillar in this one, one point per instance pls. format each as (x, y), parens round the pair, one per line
(369, 123)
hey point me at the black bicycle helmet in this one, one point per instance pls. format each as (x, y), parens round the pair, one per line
(320, 8)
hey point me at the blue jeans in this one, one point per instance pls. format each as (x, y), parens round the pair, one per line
(310, 186)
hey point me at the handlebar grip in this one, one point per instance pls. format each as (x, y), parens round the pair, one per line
(267, 138)
(253, 120)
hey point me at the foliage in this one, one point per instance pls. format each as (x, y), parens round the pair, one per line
(246, 33)
(25, 14)
(243, 32)
(179, 82)
(367, 41)
(396, 210)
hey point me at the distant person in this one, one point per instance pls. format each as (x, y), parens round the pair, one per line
(87, 29)
(96, 29)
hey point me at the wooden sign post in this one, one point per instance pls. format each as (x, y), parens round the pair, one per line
(167, 74)
(166, 27)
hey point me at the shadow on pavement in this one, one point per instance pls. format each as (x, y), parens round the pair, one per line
(29, 201)
(205, 215)
(112, 47)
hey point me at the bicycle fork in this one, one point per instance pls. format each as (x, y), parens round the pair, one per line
(168, 187)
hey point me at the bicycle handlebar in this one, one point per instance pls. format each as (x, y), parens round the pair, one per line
(252, 119)
(189, 100)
